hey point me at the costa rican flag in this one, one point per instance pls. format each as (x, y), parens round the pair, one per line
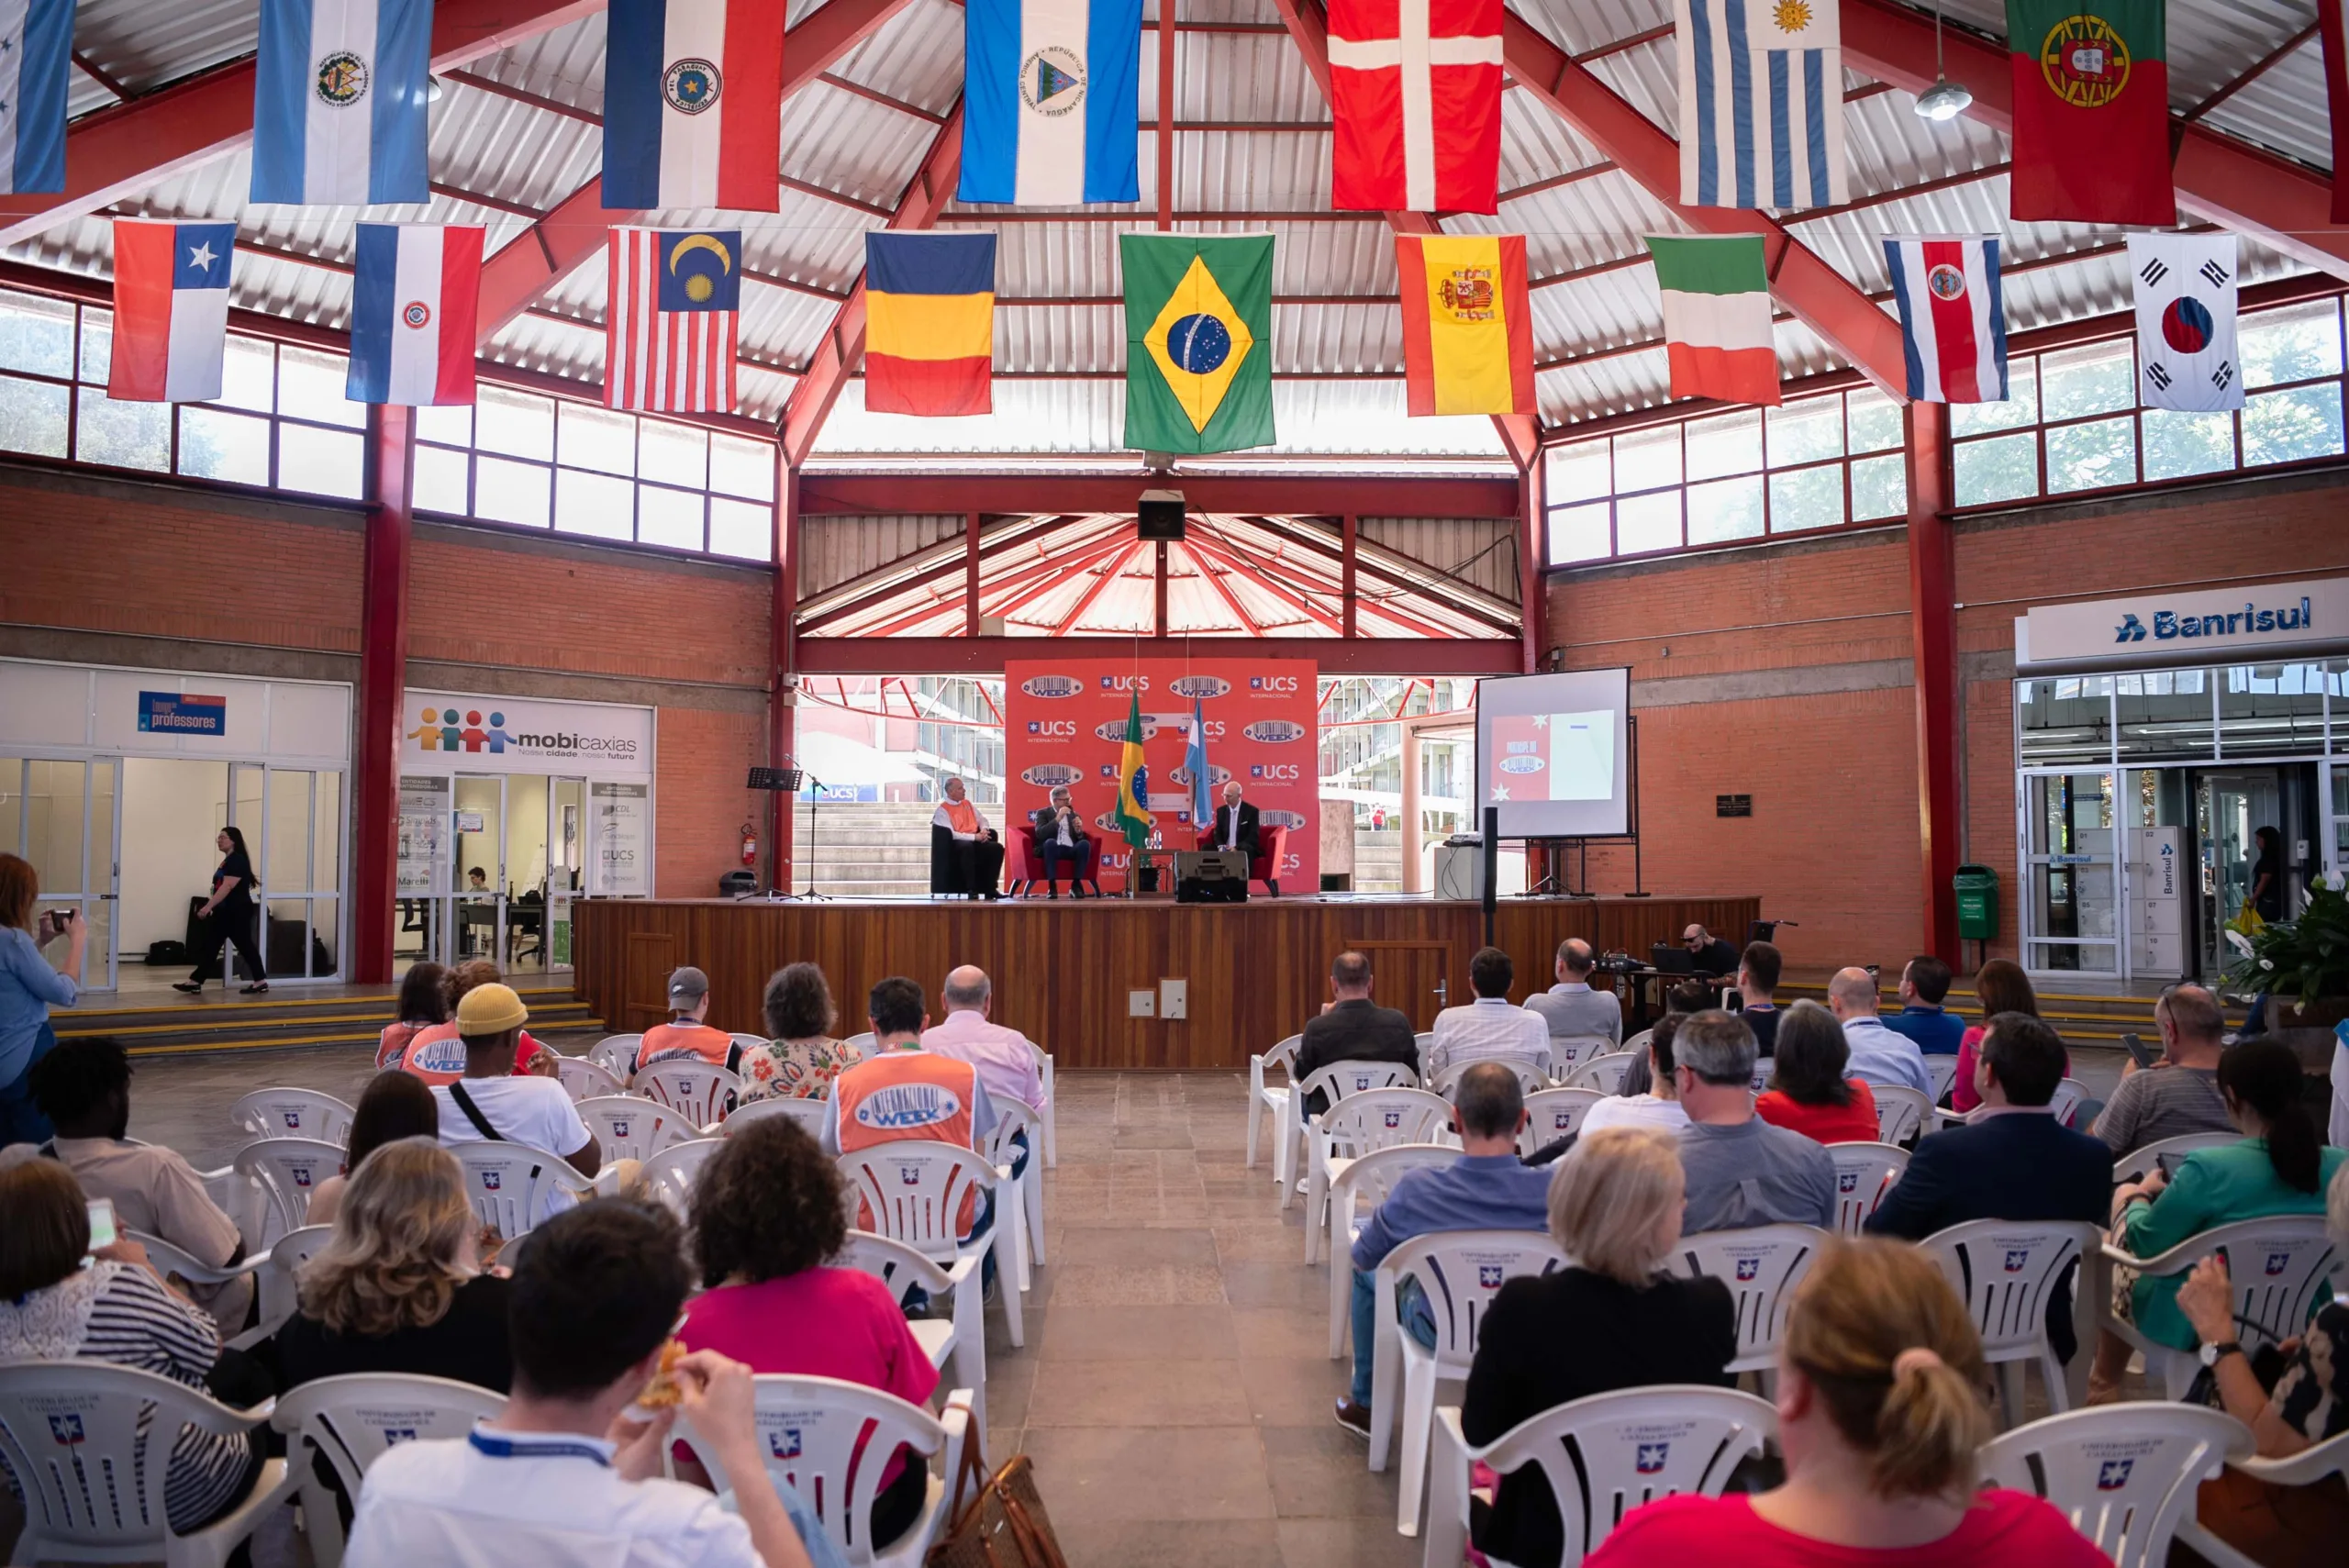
(36, 45)
(1953, 316)
(673, 304)
(412, 314)
(1414, 90)
(340, 91)
(171, 310)
(693, 116)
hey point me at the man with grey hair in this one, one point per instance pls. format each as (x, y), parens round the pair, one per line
(1060, 841)
(1880, 1056)
(1742, 1170)
(2179, 1094)
(965, 854)
(1571, 1007)
(1006, 1062)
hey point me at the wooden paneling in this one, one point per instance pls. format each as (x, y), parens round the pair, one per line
(1061, 970)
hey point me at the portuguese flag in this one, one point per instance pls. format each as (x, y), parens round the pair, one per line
(2091, 99)
(1717, 317)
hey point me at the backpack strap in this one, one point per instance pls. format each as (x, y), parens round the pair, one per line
(473, 1113)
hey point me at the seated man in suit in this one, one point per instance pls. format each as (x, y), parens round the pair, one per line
(1352, 1029)
(974, 853)
(1235, 824)
(1060, 841)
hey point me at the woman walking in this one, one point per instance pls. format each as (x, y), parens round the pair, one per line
(231, 915)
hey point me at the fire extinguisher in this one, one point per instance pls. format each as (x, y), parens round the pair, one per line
(750, 846)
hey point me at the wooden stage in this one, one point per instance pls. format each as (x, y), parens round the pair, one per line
(1064, 970)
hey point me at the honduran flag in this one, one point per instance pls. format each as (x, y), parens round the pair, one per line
(36, 47)
(412, 311)
(339, 102)
(693, 105)
(1952, 317)
(171, 310)
(1051, 99)
(928, 323)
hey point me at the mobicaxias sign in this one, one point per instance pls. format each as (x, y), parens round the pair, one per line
(2191, 626)
(474, 732)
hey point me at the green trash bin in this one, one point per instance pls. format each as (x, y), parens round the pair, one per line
(1977, 902)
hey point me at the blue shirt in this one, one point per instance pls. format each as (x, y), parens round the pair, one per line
(29, 986)
(1882, 1057)
(1475, 1192)
(1936, 1030)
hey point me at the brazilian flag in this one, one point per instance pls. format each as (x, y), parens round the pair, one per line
(1198, 341)
(1133, 780)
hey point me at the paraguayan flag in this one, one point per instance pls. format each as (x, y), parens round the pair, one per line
(1051, 101)
(2186, 287)
(339, 102)
(1761, 103)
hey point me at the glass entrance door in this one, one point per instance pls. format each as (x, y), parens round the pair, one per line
(62, 817)
(2071, 873)
(477, 868)
(566, 865)
(292, 820)
(2229, 808)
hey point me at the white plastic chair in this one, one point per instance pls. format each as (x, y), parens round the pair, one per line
(1864, 1173)
(2124, 1474)
(586, 1079)
(1366, 1180)
(1459, 1273)
(1027, 1203)
(2273, 1264)
(1604, 1074)
(513, 1186)
(865, 1045)
(748, 1042)
(1552, 1113)
(813, 1115)
(1268, 1099)
(700, 1091)
(1532, 1076)
(1602, 1456)
(1900, 1112)
(1568, 1051)
(912, 1190)
(2167, 1154)
(2066, 1099)
(629, 1127)
(813, 1430)
(1761, 1265)
(1425, 1041)
(177, 1262)
(960, 1338)
(1334, 1084)
(669, 1174)
(353, 1420)
(2305, 1468)
(1051, 1109)
(615, 1054)
(282, 1173)
(1943, 1073)
(74, 1432)
(1638, 1042)
(1378, 1119)
(293, 1113)
(2006, 1271)
(279, 1299)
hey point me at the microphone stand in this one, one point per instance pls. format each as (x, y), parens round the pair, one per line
(815, 804)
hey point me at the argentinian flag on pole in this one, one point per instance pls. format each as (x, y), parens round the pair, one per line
(1052, 101)
(1194, 763)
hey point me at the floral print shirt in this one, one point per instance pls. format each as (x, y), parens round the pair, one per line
(795, 1069)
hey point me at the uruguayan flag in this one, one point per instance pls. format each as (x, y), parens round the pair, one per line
(36, 41)
(1051, 101)
(1761, 103)
(339, 102)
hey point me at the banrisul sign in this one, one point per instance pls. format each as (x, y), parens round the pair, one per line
(2188, 626)
(2250, 618)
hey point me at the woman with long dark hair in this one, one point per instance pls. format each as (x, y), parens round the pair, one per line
(1810, 1091)
(394, 1106)
(232, 914)
(2000, 986)
(424, 1003)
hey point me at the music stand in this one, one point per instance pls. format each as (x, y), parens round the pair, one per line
(786, 781)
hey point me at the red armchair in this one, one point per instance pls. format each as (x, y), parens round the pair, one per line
(1023, 869)
(1272, 845)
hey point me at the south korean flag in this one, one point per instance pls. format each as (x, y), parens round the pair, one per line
(2186, 288)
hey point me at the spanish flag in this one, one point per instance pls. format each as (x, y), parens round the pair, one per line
(1467, 331)
(929, 323)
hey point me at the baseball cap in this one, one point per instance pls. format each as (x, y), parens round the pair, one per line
(490, 1009)
(687, 985)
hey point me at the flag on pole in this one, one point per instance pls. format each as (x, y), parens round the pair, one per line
(171, 310)
(1467, 329)
(1952, 317)
(693, 105)
(2332, 21)
(1194, 763)
(1132, 815)
(2091, 107)
(1717, 317)
(928, 323)
(340, 92)
(412, 313)
(2186, 287)
(1761, 103)
(36, 51)
(1198, 341)
(1415, 89)
(671, 308)
(1052, 101)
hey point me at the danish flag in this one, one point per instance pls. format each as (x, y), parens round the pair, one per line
(1415, 89)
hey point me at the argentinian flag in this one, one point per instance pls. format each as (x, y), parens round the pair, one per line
(1194, 763)
(1052, 100)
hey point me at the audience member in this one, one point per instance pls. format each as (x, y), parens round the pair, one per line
(494, 1104)
(1934, 1029)
(61, 1301)
(2278, 1168)
(1614, 1207)
(801, 1057)
(766, 1215)
(1880, 1414)
(394, 1106)
(1351, 1028)
(929, 1098)
(437, 1055)
(1878, 1055)
(1710, 954)
(423, 1005)
(1490, 1025)
(1808, 1091)
(1688, 997)
(2179, 1094)
(2000, 986)
(562, 1478)
(1572, 1010)
(28, 988)
(1757, 983)
(1657, 1105)
(1742, 1171)
(684, 1038)
(1487, 1188)
(1006, 1062)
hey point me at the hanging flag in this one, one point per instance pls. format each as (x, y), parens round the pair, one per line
(928, 323)
(2091, 105)
(693, 105)
(412, 312)
(1467, 329)
(1953, 316)
(1132, 815)
(1761, 103)
(2186, 290)
(339, 102)
(1717, 317)
(36, 54)
(671, 308)
(2332, 21)
(1052, 101)
(1194, 763)
(171, 310)
(1198, 341)
(1414, 90)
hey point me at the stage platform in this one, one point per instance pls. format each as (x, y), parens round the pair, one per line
(1064, 971)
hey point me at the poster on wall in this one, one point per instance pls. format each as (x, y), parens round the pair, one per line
(424, 811)
(472, 733)
(623, 838)
(1064, 722)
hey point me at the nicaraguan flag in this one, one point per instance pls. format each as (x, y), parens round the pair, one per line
(1761, 103)
(412, 310)
(2187, 290)
(171, 310)
(35, 46)
(693, 105)
(339, 102)
(1051, 97)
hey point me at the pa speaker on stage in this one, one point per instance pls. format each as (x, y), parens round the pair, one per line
(1160, 513)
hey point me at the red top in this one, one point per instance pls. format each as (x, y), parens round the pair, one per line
(2001, 1527)
(1961, 1092)
(1854, 1123)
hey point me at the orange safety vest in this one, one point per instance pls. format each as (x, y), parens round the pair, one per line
(961, 817)
(437, 1054)
(669, 1039)
(903, 1095)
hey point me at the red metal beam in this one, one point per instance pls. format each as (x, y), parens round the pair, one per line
(783, 671)
(2253, 73)
(1125, 552)
(383, 689)
(971, 575)
(1272, 576)
(986, 655)
(1199, 559)
(1932, 618)
(1443, 589)
(1023, 535)
(1212, 551)
(1274, 494)
(1029, 584)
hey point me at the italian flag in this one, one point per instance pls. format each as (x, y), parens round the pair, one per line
(1717, 317)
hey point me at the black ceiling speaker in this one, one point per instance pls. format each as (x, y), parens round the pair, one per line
(1161, 515)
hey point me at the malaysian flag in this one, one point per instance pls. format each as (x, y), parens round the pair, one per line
(669, 322)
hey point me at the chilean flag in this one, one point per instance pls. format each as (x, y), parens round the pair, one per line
(412, 312)
(1414, 90)
(171, 310)
(1953, 316)
(693, 105)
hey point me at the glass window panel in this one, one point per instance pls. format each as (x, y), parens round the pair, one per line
(123, 435)
(595, 438)
(744, 530)
(1807, 498)
(1725, 509)
(2003, 469)
(1647, 460)
(311, 386)
(1874, 420)
(1725, 443)
(216, 445)
(327, 463)
(97, 343)
(249, 376)
(513, 423)
(2286, 426)
(1579, 471)
(1879, 488)
(37, 335)
(1579, 533)
(440, 480)
(2299, 344)
(739, 467)
(2178, 445)
(2091, 457)
(511, 492)
(33, 418)
(1807, 431)
(667, 516)
(452, 426)
(2164, 712)
(593, 504)
(672, 454)
(2021, 408)
(2265, 709)
(2099, 379)
(1647, 522)
(2067, 719)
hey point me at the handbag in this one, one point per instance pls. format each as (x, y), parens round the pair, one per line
(1004, 1525)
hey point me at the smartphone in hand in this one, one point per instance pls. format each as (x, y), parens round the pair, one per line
(2138, 1051)
(103, 1232)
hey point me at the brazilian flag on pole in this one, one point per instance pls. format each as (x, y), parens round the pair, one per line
(1133, 780)
(1198, 341)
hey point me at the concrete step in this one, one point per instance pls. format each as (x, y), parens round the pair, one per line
(280, 1023)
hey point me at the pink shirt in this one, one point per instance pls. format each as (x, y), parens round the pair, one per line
(1006, 1063)
(2001, 1527)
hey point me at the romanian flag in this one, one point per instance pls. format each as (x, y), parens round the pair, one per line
(1467, 332)
(1133, 780)
(929, 323)
(1717, 325)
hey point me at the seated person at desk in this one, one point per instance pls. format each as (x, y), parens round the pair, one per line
(1707, 952)
(685, 1037)
(974, 855)
(1352, 1029)
(476, 881)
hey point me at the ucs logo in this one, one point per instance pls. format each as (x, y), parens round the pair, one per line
(2114, 1474)
(66, 1429)
(619, 1127)
(1051, 685)
(2018, 1258)
(1125, 682)
(1749, 1269)
(492, 1180)
(398, 1435)
(1489, 1276)
(1271, 683)
(1847, 1181)
(785, 1442)
(1052, 729)
(1273, 772)
(1649, 1459)
(1395, 1118)
(2277, 1262)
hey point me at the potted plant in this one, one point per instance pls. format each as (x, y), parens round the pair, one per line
(2302, 965)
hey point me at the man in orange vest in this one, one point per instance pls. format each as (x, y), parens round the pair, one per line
(684, 1036)
(972, 852)
(902, 1092)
